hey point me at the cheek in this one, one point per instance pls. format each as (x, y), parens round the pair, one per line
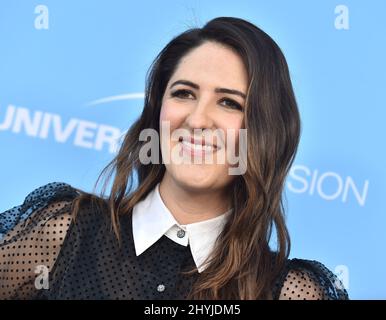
(164, 113)
(169, 112)
(231, 127)
(171, 118)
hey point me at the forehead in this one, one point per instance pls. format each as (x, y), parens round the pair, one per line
(212, 65)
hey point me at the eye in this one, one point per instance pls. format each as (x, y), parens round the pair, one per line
(182, 93)
(232, 104)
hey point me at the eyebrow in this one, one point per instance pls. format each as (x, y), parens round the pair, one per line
(217, 90)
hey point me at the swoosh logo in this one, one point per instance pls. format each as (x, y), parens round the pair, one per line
(120, 97)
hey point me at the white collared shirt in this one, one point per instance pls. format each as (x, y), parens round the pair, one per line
(152, 219)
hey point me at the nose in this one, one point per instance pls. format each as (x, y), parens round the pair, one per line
(200, 116)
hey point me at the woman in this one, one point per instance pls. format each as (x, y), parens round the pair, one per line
(190, 229)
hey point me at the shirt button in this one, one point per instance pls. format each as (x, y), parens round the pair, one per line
(180, 233)
(160, 288)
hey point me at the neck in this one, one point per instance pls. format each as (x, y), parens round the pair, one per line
(189, 205)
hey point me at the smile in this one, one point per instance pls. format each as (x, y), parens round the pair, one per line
(197, 147)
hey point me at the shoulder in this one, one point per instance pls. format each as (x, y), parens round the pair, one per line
(43, 218)
(55, 194)
(51, 191)
(303, 279)
(46, 216)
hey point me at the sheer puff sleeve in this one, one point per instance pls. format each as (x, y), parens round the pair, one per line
(309, 280)
(31, 236)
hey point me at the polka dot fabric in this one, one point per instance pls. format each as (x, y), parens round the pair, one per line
(309, 280)
(84, 260)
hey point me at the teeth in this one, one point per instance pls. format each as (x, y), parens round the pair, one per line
(197, 147)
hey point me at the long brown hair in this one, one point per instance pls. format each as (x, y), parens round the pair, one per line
(242, 266)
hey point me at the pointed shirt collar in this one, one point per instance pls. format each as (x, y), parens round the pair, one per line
(152, 219)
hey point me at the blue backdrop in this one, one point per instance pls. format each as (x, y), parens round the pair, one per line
(72, 79)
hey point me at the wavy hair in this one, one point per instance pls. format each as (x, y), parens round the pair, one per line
(242, 265)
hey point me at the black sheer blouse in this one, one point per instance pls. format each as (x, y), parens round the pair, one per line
(46, 254)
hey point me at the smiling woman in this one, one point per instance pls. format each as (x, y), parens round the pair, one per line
(190, 229)
(209, 98)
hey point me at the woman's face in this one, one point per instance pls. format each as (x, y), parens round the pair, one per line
(192, 104)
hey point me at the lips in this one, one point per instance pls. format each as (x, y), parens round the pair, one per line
(197, 146)
(197, 142)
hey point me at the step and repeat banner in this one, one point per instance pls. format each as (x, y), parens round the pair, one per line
(72, 77)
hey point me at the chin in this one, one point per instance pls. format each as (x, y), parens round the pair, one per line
(196, 179)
